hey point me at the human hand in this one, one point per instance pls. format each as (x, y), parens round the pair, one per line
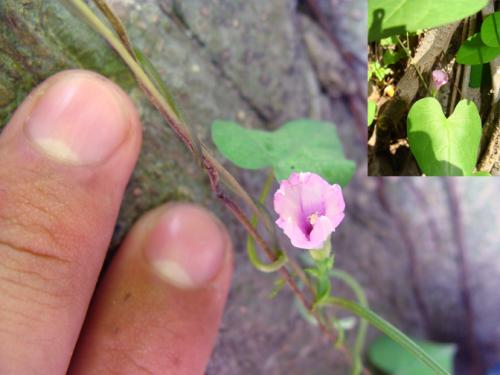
(65, 159)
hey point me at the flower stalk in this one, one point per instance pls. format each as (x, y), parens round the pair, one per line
(323, 252)
(389, 330)
(363, 324)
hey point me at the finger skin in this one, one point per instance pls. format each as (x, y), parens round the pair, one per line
(56, 221)
(140, 324)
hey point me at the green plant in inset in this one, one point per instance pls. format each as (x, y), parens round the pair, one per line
(490, 30)
(483, 46)
(444, 146)
(392, 57)
(379, 71)
(473, 51)
(395, 17)
(372, 111)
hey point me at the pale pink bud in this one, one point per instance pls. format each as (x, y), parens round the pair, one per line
(439, 78)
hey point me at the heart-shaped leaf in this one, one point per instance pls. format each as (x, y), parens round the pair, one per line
(372, 111)
(392, 17)
(473, 51)
(298, 146)
(388, 356)
(490, 30)
(444, 146)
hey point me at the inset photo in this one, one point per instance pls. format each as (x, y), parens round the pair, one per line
(434, 88)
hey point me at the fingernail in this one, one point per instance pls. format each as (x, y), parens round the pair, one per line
(78, 120)
(187, 247)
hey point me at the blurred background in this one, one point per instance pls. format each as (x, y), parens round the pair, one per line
(426, 251)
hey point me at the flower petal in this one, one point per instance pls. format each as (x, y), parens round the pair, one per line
(334, 205)
(287, 202)
(313, 188)
(320, 233)
(439, 78)
(294, 232)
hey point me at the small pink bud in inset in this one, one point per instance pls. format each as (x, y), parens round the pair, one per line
(439, 78)
(309, 209)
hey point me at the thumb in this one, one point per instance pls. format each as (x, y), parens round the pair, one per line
(65, 159)
(158, 307)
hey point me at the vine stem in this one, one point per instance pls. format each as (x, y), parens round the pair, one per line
(210, 164)
(363, 324)
(408, 54)
(389, 330)
(282, 258)
(159, 102)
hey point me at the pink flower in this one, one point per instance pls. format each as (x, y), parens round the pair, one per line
(309, 208)
(439, 78)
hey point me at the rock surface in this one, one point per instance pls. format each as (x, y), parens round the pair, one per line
(251, 61)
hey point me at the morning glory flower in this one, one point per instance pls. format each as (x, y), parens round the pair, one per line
(309, 209)
(439, 78)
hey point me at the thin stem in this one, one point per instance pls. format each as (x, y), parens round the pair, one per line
(232, 184)
(281, 260)
(408, 54)
(116, 23)
(180, 128)
(297, 269)
(251, 251)
(266, 188)
(363, 324)
(389, 330)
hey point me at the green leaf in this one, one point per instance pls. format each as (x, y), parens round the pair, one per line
(298, 146)
(476, 76)
(482, 174)
(394, 17)
(390, 357)
(392, 57)
(372, 111)
(390, 41)
(473, 51)
(490, 30)
(322, 293)
(444, 146)
(314, 272)
(379, 71)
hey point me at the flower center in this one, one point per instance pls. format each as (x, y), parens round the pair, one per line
(313, 218)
